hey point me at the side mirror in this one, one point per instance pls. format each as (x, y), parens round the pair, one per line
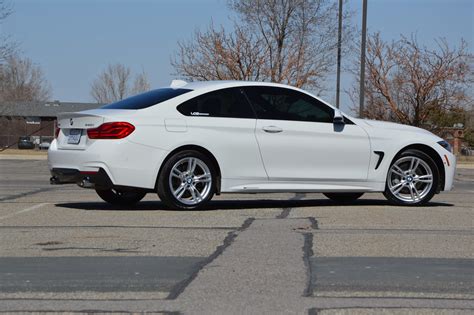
(338, 118)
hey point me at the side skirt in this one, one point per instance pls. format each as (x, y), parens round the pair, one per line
(249, 186)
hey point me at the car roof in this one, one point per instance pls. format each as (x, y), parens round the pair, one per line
(198, 85)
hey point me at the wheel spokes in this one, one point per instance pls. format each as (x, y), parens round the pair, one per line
(190, 180)
(410, 187)
(410, 179)
(397, 188)
(413, 188)
(415, 166)
(191, 165)
(204, 178)
(424, 178)
(176, 173)
(178, 193)
(397, 170)
(195, 193)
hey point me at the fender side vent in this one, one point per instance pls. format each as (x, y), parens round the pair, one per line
(381, 155)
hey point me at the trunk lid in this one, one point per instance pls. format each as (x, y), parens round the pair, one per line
(73, 133)
(81, 120)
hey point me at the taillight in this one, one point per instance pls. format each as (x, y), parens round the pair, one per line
(56, 132)
(111, 130)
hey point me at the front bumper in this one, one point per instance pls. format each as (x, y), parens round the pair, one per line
(449, 161)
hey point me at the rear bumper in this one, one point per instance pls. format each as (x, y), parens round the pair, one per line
(98, 179)
(124, 163)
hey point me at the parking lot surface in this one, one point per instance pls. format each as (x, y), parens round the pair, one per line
(63, 249)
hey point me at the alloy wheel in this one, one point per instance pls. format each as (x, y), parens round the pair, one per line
(190, 181)
(410, 179)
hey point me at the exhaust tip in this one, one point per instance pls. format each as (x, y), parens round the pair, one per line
(86, 183)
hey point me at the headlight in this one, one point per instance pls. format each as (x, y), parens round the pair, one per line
(445, 144)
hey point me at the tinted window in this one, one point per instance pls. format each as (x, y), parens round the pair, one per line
(147, 99)
(221, 103)
(286, 104)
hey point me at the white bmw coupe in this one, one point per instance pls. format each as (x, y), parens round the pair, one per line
(190, 141)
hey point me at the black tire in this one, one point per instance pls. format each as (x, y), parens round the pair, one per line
(343, 197)
(393, 199)
(163, 181)
(121, 197)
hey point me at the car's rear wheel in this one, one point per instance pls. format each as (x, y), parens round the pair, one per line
(187, 180)
(412, 179)
(343, 197)
(121, 197)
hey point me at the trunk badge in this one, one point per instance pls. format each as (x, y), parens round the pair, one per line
(71, 122)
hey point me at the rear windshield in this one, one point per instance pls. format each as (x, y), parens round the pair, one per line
(147, 99)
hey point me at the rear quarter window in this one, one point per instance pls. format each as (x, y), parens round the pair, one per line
(147, 99)
(228, 102)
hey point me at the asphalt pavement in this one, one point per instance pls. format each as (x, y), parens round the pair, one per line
(64, 250)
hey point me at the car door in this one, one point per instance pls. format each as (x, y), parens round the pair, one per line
(299, 141)
(223, 122)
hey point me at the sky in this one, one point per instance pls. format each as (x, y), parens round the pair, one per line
(74, 40)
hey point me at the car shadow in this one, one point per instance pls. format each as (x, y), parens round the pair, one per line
(236, 205)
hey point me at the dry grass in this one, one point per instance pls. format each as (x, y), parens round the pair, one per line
(23, 152)
(465, 159)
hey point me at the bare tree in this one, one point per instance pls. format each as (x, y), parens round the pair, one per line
(114, 84)
(141, 83)
(5, 9)
(7, 46)
(288, 41)
(415, 85)
(215, 55)
(22, 80)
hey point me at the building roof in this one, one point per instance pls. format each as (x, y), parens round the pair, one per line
(42, 109)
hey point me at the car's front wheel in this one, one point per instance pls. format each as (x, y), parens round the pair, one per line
(187, 180)
(121, 197)
(412, 179)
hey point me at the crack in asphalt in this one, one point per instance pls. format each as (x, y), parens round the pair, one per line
(118, 227)
(286, 211)
(316, 311)
(231, 236)
(101, 249)
(93, 311)
(308, 243)
(392, 231)
(314, 223)
(307, 254)
(24, 194)
(421, 298)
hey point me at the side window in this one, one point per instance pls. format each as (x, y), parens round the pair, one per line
(286, 104)
(222, 103)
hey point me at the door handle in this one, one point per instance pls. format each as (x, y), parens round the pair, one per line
(272, 129)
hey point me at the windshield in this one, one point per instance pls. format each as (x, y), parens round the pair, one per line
(146, 99)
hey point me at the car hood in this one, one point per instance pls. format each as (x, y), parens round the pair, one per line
(375, 126)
